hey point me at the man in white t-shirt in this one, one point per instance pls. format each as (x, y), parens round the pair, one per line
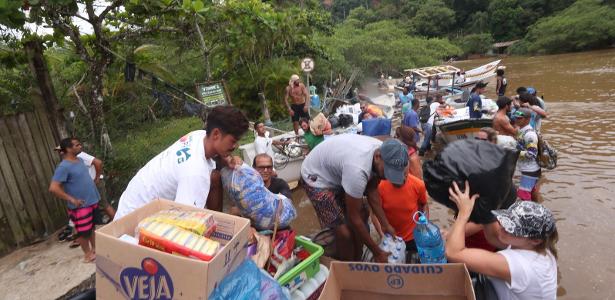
(262, 142)
(183, 171)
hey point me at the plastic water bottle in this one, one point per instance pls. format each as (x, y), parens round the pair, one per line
(298, 295)
(396, 246)
(428, 241)
(322, 275)
(309, 287)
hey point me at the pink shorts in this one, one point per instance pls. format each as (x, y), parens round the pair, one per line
(83, 218)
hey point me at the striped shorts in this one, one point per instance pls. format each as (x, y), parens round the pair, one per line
(84, 219)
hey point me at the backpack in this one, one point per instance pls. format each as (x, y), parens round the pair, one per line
(547, 156)
(424, 114)
(334, 120)
(345, 120)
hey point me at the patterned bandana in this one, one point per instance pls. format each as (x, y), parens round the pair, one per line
(526, 219)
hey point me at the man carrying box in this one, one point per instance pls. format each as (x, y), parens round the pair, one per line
(183, 172)
(338, 173)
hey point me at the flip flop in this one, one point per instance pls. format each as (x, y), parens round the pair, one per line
(74, 244)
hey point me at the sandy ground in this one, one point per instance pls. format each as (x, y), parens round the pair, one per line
(48, 270)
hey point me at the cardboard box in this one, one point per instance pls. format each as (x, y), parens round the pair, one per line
(366, 281)
(128, 271)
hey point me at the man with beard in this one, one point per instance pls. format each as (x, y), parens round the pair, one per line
(501, 122)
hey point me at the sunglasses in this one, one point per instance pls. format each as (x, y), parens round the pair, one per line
(482, 139)
(263, 168)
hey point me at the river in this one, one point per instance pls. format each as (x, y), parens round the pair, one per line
(579, 90)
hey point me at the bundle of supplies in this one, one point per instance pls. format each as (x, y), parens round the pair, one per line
(179, 232)
(248, 192)
(199, 222)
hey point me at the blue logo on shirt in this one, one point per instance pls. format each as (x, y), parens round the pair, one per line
(182, 155)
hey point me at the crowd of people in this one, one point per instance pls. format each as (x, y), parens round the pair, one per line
(351, 180)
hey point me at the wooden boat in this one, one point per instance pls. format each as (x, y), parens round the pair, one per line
(462, 129)
(437, 77)
(459, 125)
(287, 163)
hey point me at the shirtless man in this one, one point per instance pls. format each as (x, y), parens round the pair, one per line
(301, 103)
(501, 122)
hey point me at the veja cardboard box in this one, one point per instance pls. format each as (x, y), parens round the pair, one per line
(128, 271)
(367, 281)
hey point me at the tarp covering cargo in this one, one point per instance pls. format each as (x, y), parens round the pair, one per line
(489, 169)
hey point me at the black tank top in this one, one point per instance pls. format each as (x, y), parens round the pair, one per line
(502, 89)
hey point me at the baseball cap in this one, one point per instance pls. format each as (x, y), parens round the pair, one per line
(480, 85)
(523, 112)
(293, 78)
(395, 157)
(526, 219)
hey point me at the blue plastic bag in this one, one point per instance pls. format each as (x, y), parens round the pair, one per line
(248, 282)
(377, 126)
(247, 190)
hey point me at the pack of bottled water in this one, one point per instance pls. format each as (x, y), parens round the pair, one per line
(396, 246)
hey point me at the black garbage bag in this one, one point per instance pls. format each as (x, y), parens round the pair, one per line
(489, 169)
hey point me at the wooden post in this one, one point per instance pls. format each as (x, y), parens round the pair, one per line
(38, 67)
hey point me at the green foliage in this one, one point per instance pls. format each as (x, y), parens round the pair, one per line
(140, 145)
(340, 9)
(383, 46)
(11, 14)
(475, 43)
(478, 22)
(433, 18)
(505, 18)
(587, 24)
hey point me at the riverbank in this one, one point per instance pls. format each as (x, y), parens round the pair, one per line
(579, 89)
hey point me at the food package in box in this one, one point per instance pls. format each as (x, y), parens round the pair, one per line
(175, 240)
(199, 222)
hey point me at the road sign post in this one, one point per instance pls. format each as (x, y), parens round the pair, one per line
(307, 65)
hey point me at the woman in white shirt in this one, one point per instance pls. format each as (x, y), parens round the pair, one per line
(527, 269)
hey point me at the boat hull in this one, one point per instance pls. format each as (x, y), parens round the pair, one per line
(462, 129)
(289, 170)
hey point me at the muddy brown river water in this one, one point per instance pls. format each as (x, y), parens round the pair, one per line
(579, 90)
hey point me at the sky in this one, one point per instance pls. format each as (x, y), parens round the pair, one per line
(84, 27)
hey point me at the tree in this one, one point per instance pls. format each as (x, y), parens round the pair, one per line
(585, 25)
(15, 77)
(94, 49)
(475, 43)
(12, 16)
(433, 19)
(465, 9)
(478, 22)
(340, 9)
(505, 18)
(384, 47)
